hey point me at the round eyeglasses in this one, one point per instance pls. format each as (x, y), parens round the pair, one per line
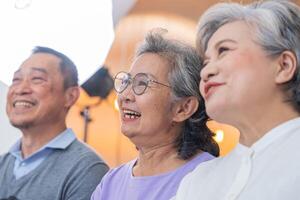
(140, 82)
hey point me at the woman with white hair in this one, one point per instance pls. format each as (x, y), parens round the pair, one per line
(163, 114)
(251, 80)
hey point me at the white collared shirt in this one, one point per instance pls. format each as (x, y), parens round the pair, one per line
(268, 170)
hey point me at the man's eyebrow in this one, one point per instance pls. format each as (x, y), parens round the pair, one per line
(40, 70)
(17, 72)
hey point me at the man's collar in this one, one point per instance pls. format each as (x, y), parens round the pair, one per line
(61, 141)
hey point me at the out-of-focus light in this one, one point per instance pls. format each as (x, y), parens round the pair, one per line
(22, 4)
(87, 24)
(219, 136)
(116, 105)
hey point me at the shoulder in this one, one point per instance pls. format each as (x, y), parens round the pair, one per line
(212, 165)
(78, 152)
(192, 183)
(113, 180)
(203, 157)
(78, 159)
(123, 171)
(210, 170)
(194, 162)
(6, 163)
(82, 168)
(209, 165)
(5, 158)
(118, 175)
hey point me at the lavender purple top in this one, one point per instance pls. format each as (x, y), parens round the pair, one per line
(119, 184)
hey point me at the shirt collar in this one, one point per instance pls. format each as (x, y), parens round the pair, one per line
(62, 141)
(15, 150)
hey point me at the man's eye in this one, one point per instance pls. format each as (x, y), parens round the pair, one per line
(37, 79)
(15, 80)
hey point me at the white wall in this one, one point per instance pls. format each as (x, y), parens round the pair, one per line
(8, 134)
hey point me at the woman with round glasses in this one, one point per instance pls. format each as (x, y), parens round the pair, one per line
(162, 113)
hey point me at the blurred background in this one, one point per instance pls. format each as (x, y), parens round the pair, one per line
(100, 37)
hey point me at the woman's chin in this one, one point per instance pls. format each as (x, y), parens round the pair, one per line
(128, 132)
(218, 115)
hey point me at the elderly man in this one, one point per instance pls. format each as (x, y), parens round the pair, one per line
(48, 162)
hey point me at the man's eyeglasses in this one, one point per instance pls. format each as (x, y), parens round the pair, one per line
(140, 82)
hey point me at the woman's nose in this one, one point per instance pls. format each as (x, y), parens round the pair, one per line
(127, 95)
(209, 71)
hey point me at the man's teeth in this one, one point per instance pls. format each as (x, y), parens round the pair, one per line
(128, 114)
(23, 104)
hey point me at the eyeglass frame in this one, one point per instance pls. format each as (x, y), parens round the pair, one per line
(131, 81)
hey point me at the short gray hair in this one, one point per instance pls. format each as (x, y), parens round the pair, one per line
(277, 29)
(67, 67)
(184, 78)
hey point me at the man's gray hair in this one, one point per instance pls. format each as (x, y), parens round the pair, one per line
(276, 26)
(184, 78)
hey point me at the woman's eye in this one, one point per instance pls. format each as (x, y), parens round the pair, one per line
(204, 63)
(142, 83)
(222, 50)
(125, 81)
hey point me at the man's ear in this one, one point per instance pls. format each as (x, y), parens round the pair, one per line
(71, 96)
(287, 66)
(185, 108)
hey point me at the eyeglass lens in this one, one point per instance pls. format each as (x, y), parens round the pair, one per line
(139, 82)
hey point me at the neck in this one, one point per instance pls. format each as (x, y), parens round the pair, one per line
(36, 137)
(257, 126)
(157, 160)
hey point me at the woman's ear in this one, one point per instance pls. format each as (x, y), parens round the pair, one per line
(287, 66)
(71, 96)
(185, 108)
